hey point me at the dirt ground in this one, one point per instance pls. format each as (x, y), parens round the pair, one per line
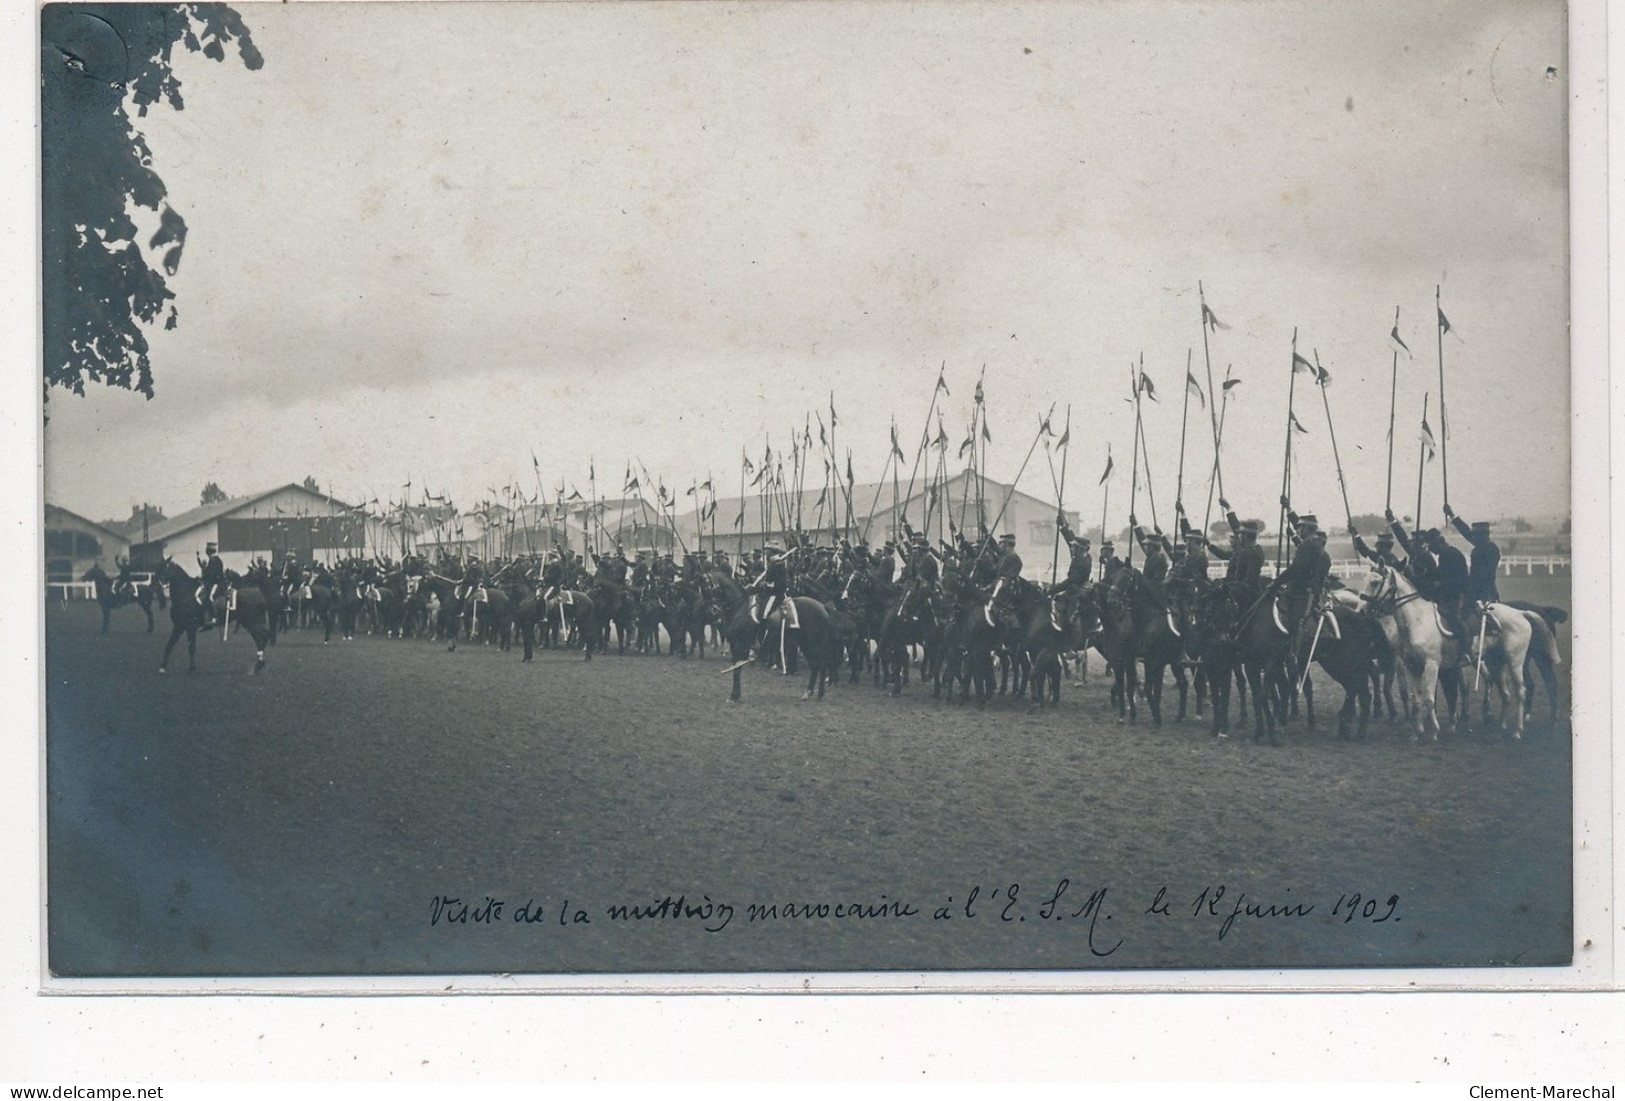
(378, 807)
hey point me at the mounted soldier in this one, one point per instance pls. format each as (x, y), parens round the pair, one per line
(1082, 565)
(1157, 561)
(1382, 554)
(1485, 562)
(1007, 577)
(1110, 564)
(1243, 578)
(773, 585)
(211, 577)
(1450, 582)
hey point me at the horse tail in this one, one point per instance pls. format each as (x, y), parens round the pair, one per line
(1543, 641)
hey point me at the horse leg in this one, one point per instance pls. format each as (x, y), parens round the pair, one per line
(260, 636)
(1264, 710)
(1426, 687)
(1513, 675)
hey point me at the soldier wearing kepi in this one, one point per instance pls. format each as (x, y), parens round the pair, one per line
(1243, 576)
(1484, 563)
(1449, 582)
(1191, 570)
(1008, 576)
(1110, 564)
(773, 585)
(1382, 554)
(1082, 566)
(211, 576)
(1158, 560)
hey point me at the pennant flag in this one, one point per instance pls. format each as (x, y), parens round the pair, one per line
(895, 448)
(1044, 428)
(1108, 472)
(942, 436)
(1444, 322)
(942, 383)
(689, 492)
(849, 478)
(1295, 423)
(575, 494)
(823, 495)
(1211, 320)
(1323, 376)
(1230, 384)
(1301, 364)
(986, 433)
(706, 485)
(1147, 387)
(1394, 336)
(739, 521)
(978, 392)
(1429, 445)
(750, 468)
(823, 440)
(1066, 438)
(970, 442)
(1193, 388)
(632, 485)
(832, 421)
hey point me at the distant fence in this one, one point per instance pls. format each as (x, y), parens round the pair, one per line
(86, 590)
(1346, 568)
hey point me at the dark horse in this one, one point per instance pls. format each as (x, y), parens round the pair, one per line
(815, 633)
(572, 609)
(113, 593)
(1344, 642)
(244, 607)
(1051, 625)
(1261, 639)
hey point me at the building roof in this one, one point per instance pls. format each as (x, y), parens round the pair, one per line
(177, 525)
(866, 496)
(58, 513)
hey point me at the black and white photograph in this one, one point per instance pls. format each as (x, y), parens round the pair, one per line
(1040, 493)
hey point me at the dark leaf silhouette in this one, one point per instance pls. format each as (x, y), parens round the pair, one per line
(100, 290)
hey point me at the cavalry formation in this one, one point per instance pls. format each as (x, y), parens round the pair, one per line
(958, 616)
(958, 612)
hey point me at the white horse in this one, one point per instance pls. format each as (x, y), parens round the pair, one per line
(1424, 647)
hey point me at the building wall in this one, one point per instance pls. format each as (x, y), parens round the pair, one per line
(72, 546)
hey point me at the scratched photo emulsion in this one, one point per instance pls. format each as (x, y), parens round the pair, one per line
(631, 488)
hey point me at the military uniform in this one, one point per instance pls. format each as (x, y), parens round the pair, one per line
(1082, 566)
(1485, 563)
(1449, 581)
(1243, 576)
(211, 577)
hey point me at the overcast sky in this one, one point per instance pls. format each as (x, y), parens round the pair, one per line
(428, 240)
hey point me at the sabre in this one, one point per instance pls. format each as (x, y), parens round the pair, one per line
(225, 622)
(1310, 660)
(1483, 625)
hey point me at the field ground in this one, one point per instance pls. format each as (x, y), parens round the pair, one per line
(306, 821)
